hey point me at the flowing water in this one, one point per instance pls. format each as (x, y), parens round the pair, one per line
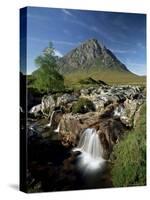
(51, 119)
(91, 151)
(87, 168)
(57, 129)
(118, 111)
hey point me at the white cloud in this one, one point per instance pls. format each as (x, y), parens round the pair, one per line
(46, 41)
(58, 53)
(98, 30)
(67, 12)
(123, 51)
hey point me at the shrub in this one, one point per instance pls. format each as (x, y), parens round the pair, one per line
(129, 167)
(83, 105)
(47, 78)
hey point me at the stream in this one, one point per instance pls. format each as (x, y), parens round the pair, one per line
(68, 168)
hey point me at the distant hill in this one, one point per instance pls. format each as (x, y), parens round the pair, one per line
(91, 59)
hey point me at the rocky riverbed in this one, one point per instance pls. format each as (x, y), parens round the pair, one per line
(55, 129)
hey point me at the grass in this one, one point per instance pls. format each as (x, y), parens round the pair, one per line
(108, 76)
(129, 165)
(83, 105)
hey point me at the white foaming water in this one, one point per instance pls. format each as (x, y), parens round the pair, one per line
(91, 150)
(118, 111)
(51, 118)
(57, 129)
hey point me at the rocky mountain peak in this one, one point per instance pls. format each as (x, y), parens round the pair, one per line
(89, 54)
(92, 43)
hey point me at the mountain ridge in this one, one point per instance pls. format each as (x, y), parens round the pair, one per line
(90, 54)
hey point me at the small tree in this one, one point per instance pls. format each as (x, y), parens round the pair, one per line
(47, 78)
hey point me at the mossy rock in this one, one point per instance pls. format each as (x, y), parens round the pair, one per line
(83, 105)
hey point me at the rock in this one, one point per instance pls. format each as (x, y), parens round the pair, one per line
(108, 112)
(115, 108)
(34, 98)
(35, 110)
(110, 132)
(119, 111)
(89, 54)
(73, 125)
(46, 107)
(99, 105)
(66, 98)
(47, 104)
(130, 108)
(84, 92)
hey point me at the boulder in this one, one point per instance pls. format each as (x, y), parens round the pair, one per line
(66, 98)
(36, 110)
(84, 92)
(72, 125)
(130, 108)
(48, 104)
(110, 131)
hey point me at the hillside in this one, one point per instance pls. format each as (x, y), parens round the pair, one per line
(108, 76)
(91, 59)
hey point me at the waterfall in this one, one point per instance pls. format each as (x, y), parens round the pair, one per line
(51, 118)
(91, 150)
(57, 129)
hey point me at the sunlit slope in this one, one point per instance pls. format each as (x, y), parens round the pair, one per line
(106, 75)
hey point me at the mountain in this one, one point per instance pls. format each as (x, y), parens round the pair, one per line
(88, 55)
(93, 60)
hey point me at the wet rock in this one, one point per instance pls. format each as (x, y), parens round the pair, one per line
(36, 110)
(116, 108)
(73, 124)
(119, 111)
(110, 131)
(108, 111)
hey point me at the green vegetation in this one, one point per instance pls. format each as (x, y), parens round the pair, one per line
(76, 78)
(91, 82)
(129, 167)
(83, 105)
(46, 78)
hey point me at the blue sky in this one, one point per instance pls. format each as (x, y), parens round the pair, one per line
(123, 33)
